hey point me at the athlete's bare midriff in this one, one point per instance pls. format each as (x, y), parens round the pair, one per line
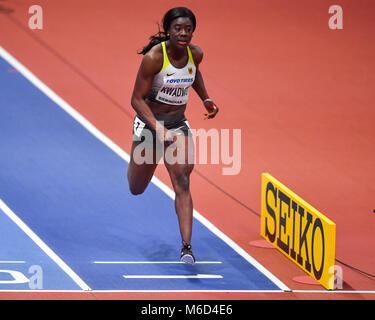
(159, 108)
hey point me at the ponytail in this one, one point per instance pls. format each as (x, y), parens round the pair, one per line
(155, 39)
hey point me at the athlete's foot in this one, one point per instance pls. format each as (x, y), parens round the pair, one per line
(187, 254)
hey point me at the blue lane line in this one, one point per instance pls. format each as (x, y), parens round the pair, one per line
(71, 189)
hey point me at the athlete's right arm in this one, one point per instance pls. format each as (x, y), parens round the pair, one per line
(151, 64)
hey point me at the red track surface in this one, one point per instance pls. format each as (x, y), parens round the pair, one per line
(301, 93)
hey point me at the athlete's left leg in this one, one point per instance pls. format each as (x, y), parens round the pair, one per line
(179, 169)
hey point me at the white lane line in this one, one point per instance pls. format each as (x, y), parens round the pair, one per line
(153, 262)
(3, 261)
(149, 291)
(195, 291)
(43, 246)
(192, 276)
(115, 148)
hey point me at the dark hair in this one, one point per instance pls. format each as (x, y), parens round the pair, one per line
(171, 14)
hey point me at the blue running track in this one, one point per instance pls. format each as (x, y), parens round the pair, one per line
(70, 189)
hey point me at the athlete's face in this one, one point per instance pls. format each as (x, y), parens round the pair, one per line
(181, 31)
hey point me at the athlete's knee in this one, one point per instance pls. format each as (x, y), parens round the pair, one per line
(134, 188)
(136, 192)
(182, 180)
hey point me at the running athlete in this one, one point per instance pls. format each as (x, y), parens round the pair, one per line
(169, 68)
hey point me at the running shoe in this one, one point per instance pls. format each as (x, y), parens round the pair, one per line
(187, 254)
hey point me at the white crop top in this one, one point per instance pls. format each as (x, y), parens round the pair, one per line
(171, 85)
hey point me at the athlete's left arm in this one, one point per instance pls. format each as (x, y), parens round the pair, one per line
(199, 86)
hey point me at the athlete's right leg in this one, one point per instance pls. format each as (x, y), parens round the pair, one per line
(140, 174)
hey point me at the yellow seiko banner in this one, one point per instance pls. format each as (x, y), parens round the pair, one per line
(298, 230)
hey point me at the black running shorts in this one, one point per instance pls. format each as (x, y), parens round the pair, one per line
(142, 133)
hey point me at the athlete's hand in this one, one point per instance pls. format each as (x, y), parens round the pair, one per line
(212, 110)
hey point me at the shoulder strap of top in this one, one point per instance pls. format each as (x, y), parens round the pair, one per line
(190, 56)
(165, 56)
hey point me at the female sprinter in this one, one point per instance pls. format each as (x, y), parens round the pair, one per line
(169, 67)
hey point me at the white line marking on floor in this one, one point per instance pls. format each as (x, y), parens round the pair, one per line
(153, 262)
(43, 246)
(192, 276)
(195, 291)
